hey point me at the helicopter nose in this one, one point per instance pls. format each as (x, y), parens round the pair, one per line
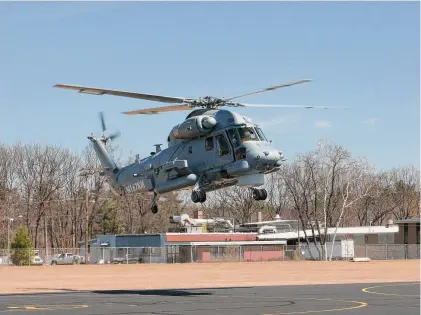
(266, 160)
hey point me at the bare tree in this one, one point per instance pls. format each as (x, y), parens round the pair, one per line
(323, 184)
(405, 190)
(279, 201)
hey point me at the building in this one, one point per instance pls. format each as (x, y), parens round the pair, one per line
(181, 247)
(409, 231)
(117, 248)
(288, 230)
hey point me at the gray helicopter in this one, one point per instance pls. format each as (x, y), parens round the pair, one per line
(211, 149)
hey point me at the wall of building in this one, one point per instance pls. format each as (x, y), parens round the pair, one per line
(143, 240)
(412, 234)
(371, 239)
(207, 237)
(247, 253)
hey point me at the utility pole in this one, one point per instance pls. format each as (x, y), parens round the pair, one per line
(87, 222)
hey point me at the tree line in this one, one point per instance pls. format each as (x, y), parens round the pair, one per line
(40, 188)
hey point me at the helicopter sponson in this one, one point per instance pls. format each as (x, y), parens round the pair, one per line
(194, 127)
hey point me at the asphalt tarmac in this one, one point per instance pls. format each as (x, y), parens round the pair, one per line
(349, 299)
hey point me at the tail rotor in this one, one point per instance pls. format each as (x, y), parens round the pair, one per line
(104, 128)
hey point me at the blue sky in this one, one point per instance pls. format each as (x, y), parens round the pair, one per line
(361, 55)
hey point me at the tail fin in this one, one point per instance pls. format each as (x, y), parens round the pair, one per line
(102, 153)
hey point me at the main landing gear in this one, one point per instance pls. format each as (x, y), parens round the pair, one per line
(259, 194)
(154, 207)
(198, 196)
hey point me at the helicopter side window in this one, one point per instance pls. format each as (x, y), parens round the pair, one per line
(261, 134)
(209, 144)
(223, 145)
(247, 134)
(234, 137)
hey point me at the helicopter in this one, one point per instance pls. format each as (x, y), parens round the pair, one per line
(211, 149)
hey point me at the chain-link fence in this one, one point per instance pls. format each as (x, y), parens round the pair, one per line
(203, 253)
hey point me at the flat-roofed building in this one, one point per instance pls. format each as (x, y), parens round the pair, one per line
(409, 231)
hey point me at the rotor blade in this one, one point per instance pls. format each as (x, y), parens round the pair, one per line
(101, 117)
(114, 135)
(157, 110)
(267, 89)
(97, 91)
(287, 106)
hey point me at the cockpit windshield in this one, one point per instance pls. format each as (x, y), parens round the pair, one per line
(234, 137)
(242, 134)
(247, 134)
(261, 134)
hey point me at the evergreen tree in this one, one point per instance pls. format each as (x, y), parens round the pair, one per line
(21, 247)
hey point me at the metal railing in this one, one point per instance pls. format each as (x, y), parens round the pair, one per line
(203, 253)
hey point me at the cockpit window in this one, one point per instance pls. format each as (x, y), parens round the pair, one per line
(223, 145)
(234, 137)
(247, 134)
(261, 134)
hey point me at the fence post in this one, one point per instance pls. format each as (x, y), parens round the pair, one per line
(150, 254)
(191, 253)
(127, 255)
(387, 252)
(173, 253)
(365, 250)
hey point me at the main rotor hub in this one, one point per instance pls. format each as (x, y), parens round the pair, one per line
(208, 102)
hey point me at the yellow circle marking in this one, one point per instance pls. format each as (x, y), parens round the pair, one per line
(367, 290)
(359, 305)
(22, 308)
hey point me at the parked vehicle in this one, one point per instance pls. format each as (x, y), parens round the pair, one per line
(37, 260)
(65, 259)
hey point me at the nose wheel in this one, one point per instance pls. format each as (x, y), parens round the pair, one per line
(259, 194)
(154, 207)
(198, 196)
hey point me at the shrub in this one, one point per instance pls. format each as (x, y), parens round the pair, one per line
(21, 247)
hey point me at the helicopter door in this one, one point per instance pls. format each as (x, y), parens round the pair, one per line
(223, 149)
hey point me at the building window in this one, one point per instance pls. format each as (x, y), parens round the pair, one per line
(405, 233)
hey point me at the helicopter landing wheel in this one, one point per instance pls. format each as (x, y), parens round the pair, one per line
(195, 197)
(255, 194)
(263, 194)
(154, 208)
(198, 196)
(202, 196)
(259, 194)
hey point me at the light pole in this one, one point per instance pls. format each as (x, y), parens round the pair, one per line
(87, 199)
(9, 221)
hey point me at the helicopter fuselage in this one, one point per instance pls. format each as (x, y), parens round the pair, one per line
(211, 149)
